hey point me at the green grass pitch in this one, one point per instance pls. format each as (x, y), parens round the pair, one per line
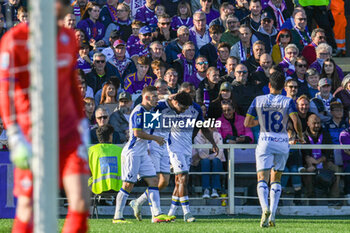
(215, 224)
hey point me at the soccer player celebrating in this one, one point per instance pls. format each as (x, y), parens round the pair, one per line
(272, 151)
(180, 148)
(137, 162)
(15, 108)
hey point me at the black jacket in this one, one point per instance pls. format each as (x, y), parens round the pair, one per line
(244, 95)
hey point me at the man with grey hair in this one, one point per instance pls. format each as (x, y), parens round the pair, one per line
(323, 52)
(156, 49)
(98, 74)
(175, 47)
(318, 36)
(199, 33)
(102, 118)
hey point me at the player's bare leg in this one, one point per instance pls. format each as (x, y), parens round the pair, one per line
(78, 199)
(183, 194)
(24, 215)
(263, 194)
(275, 194)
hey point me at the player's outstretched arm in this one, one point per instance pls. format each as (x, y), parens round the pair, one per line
(297, 126)
(209, 135)
(143, 135)
(250, 121)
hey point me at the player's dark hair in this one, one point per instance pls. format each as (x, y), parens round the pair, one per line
(183, 98)
(277, 80)
(148, 89)
(104, 132)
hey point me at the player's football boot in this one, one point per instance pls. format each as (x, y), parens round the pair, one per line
(120, 221)
(264, 222)
(189, 218)
(272, 221)
(161, 218)
(137, 209)
(172, 218)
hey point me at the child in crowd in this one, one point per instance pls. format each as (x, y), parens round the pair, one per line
(183, 17)
(134, 38)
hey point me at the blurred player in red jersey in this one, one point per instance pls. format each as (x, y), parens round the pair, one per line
(73, 127)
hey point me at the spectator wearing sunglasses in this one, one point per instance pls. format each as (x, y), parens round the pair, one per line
(300, 76)
(267, 32)
(102, 118)
(300, 34)
(141, 47)
(284, 37)
(318, 36)
(226, 9)
(98, 74)
(243, 91)
(202, 66)
(163, 32)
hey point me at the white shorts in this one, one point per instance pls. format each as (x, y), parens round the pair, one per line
(137, 166)
(161, 160)
(180, 161)
(266, 161)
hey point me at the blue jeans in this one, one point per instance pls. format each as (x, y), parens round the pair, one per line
(296, 180)
(208, 165)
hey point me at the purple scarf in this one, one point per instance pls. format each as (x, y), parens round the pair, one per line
(317, 153)
(190, 72)
(206, 99)
(220, 66)
(288, 67)
(113, 12)
(120, 65)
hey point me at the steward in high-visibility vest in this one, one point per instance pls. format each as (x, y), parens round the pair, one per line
(105, 166)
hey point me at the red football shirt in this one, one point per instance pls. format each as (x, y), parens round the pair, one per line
(15, 83)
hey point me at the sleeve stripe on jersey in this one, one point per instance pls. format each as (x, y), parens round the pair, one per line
(248, 115)
(292, 113)
(136, 129)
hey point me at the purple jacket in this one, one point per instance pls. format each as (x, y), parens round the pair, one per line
(146, 16)
(226, 128)
(213, 14)
(178, 22)
(92, 30)
(344, 139)
(139, 49)
(318, 67)
(133, 85)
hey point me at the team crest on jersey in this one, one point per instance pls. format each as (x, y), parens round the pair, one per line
(64, 39)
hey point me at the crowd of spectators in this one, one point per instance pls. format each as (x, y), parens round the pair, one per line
(224, 52)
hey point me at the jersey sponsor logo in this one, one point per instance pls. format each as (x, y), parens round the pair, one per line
(275, 139)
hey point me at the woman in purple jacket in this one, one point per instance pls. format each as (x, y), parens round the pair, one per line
(94, 29)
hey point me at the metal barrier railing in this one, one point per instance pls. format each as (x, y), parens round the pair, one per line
(231, 168)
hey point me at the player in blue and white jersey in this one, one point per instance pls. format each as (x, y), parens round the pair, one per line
(180, 147)
(273, 111)
(159, 155)
(136, 161)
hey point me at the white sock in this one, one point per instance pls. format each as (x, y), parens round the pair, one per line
(175, 202)
(155, 200)
(185, 204)
(122, 197)
(275, 193)
(142, 199)
(263, 194)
